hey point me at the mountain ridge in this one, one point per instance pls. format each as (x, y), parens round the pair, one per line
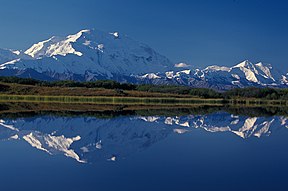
(92, 55)
(241, 75)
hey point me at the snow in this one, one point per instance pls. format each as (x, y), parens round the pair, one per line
(115, 34)
(91, 54)
(284, 80)
(169, 121)
(86, 138)
(34, 142)
(249, 74)
(2, 123)
(8, 55)
(169, 75)
(43, 48)
(15, 137)
(180, 131)
(181, 65)
(99, 145)
(235, 122)
(283, 120)
(223, 78)
(100, 53)
(265, 70)
(248, 125)
(113, 158)
(100, 47)
(265, 129)
(218, 68)
(12, 63)
(243, 64)
(235, 76)
(17, 52)
(185, 71)
(150, 76)
(50, 144)
(217, 129)
(183, 124)
(150, 118)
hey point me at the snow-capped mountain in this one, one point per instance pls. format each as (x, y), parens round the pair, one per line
(222, 78)
(87, 55)
(92, 54)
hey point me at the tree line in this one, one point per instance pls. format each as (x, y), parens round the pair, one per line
(250, 92)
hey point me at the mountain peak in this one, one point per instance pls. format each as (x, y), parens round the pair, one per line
(56, 46)
(65, 45)
(75, 37)
(261, 64)
(95, 52)
(244, 64)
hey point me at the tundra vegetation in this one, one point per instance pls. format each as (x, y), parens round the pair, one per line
(104, 91)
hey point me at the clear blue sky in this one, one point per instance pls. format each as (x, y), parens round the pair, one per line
(201, 33)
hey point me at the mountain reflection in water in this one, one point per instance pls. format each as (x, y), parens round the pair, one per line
(89, 138)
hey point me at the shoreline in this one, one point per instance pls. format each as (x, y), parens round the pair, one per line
(127, 100)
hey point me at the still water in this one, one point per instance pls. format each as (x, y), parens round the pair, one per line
(218, 149)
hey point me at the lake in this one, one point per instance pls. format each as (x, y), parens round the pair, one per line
(202, 148)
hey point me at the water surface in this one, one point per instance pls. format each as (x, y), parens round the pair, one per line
(200, 149)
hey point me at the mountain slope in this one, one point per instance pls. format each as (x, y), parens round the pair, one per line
(91, 54)
(8, 55)
(222, 78)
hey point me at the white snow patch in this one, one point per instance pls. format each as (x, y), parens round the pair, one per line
(150, 76)
(15, 137)
(169, 74)
(235, 76)
(99, 145)
(115, 34)
(169, 121)
(180, 131)
(51, 144)
(11, 127)
(217, 68)
(150, 118)
(181, 65)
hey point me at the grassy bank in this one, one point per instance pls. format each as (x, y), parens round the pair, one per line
(110, 100)
(108, 92)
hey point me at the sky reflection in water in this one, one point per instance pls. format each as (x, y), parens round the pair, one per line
(224, 149)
